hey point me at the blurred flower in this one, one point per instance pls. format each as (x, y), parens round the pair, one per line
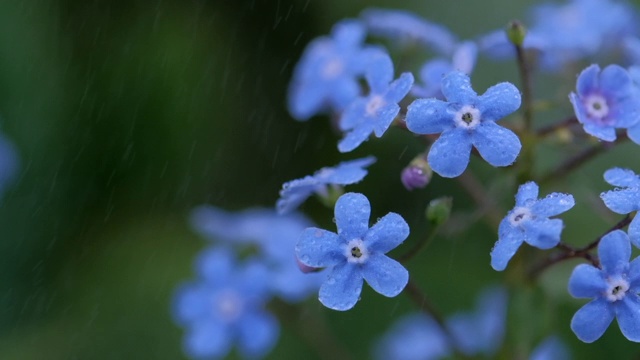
(614, 289)
(552, 348)
(529, 222)
(413, 337)
(374, 113)
(464, 120)
(9, 162)
(605, 101)
(625, 198)
(295, 192)
(355, 253)
(225, 306)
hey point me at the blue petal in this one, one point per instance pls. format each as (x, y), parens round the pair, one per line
(464, 57)
(622, 201)
(319, 248)
(305, 99)
(615, 81)
(400, 87)
(258, 334)
(606, 133)
(385, 117)
(634, 133)
(379, 72)
(431, 75)
(498, 145)
(355, 137)
(621, 177)
(347, 172)
(633, 275)
(551, 349)
(591, 320)
(295, 192)
(542, 233)
(343, 92)
(385, 275)
(354, 114)
(352, 214)
(588, 81)
(628, 315)
(499, 101)
(348, 33)
(215, 265)
(508, 243)
(341, 291)
(586, 281)
(527, 193)
(553, 204)
(456, 88)
(449, 155)
(387, 233)
(191, 302)
(614, 252)
(208, 339)
(626, 112)
(634, 231)
(429, 116)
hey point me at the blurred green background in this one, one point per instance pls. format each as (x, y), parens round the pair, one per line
(127, 114)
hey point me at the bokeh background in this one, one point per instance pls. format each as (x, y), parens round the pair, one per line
(127, 114)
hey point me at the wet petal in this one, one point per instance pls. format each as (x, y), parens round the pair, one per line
(341, 291)
(352, 214)
(429, 116)
(499, 101)
(355, 137)
(592, 320)
(588, 80)
(553, 204)
(387, 233)
(622, 201)
(319, 248)
(542, 233)
(456, 88)
(628, 315)
(621, 177)
(509, 241)
(527, 192)
(449, 155)
(498, 145)
(614, 252)
(586, 281)
(385, 275)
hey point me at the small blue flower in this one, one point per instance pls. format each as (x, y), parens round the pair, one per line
(413, 337)
(625, 198)
(328, 71)
(374, 113)
(355, 253)
(295, 192)
(481, 331)
(529, 222)
(9, 162)
(614, 288)
(605, 101)
(225, 306)
(465, 120)
(552, 348)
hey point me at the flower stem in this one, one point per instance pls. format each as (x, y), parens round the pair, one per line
(422, 244)
(544, 131)
(527, 94)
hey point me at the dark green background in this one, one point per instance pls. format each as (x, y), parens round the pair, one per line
(127, 114)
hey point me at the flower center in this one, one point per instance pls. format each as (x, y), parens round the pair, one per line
(617, 289)
(519, 215)
(467, 117)
(332, 69)
(227, 304)
(375, 103)
(356, 251)
(597, 106)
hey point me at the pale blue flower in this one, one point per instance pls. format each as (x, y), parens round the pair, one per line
(466, 120)
(355, 253)
(613, 287)
(625, 198)
(530, 222)
(413, 337)
(552, 348)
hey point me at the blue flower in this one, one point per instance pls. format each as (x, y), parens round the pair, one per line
(328, 71)
(465, 120)
(625, 198)
(634, 72)
(605, 101)
(225, 306)
(482, 330)
(374, 113)
(432, 72)
(9, 162)
(274, 238)
(614, 288)
(413, 337)
(355, 253)
(552, 348)
(295, 192)
(529, 222)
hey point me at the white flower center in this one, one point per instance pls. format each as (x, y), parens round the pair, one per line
(332, 69)
(375, 103)
(519, 215)
(227, 304)
(617, 288)
(596, 106)
(356, 251)
(468, 117)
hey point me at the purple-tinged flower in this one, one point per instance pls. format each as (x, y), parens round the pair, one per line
(413, 337)
(605, 101)
(355, 253)
(417, 174)
(432, 72)
(530, 222)
(295, 192)
(614, 288)
(327, 75)
(406, 27)
(466, 120)
(374, 113)
(225, 306)
(271, 236)
(552, 348)
(482, 330)
(625, 198)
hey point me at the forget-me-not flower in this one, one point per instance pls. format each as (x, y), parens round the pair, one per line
(295, 192)
(327, 75)
(225, 307)
(625, 198)
(529, 222)
(413, 337)
(355, 253)
(552, 348)
(374, 113)
(614, 288)
(466, 120)
(605, 101)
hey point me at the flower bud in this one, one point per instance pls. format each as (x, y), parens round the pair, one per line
(417, 174)
(439, 209)
(516, 32)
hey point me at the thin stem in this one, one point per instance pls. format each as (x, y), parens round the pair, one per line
(544, 131)
(422, 244)
(485, 203)
(525, 80)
